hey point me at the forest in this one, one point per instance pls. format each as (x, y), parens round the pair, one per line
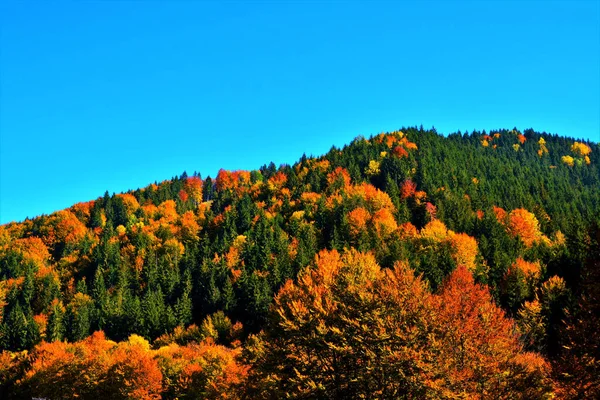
(405, 265)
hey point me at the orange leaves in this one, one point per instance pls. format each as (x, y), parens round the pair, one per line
(400, 140)
(407, 231)
(193, 189)
(348, 328)
(133, 371)
(408, 189)
(358, 219)
(500, 214)
(226, 180)
(100, 368)
(232, 179)
(464, 247)
(189, 227)
(483, 355)
(201, 370)
(130, 202)
(400, 152)
(183, 196)
(167, 212)
(276, 182)
(529, 269)
(384, 222)
(581, 149)
(374, 198)
(478, 343)
(340, 178)
(63, 226)
(525, 225)
(83, 210)
(521, 138)
(33, 249)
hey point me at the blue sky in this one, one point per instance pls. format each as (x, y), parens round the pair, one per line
(114, 95)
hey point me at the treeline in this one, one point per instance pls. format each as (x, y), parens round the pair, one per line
(515, 211)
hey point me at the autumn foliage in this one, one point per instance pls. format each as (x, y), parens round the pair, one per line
(525, 225)
(101, 368)
(404, 265)
(410, 343)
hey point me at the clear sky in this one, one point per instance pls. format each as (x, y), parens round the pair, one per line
(114, 95)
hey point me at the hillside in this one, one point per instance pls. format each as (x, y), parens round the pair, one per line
(430, 265)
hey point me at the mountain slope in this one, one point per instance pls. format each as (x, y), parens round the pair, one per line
(513, 209)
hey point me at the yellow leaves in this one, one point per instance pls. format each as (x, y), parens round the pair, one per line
(298, 215)
(485, 143)
(121, 230)
(555, 284)
(543, 149)
(559, 239)
(475, 180)
(174, 247)
(465, 250)
(435, 230)
(516, 147)
(568, 160)
(373, 168)
(136, 340)
(581, 151)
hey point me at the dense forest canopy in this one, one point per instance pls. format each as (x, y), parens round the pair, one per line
(405, 265)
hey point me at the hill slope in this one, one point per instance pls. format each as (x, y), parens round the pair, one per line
(511, 210)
